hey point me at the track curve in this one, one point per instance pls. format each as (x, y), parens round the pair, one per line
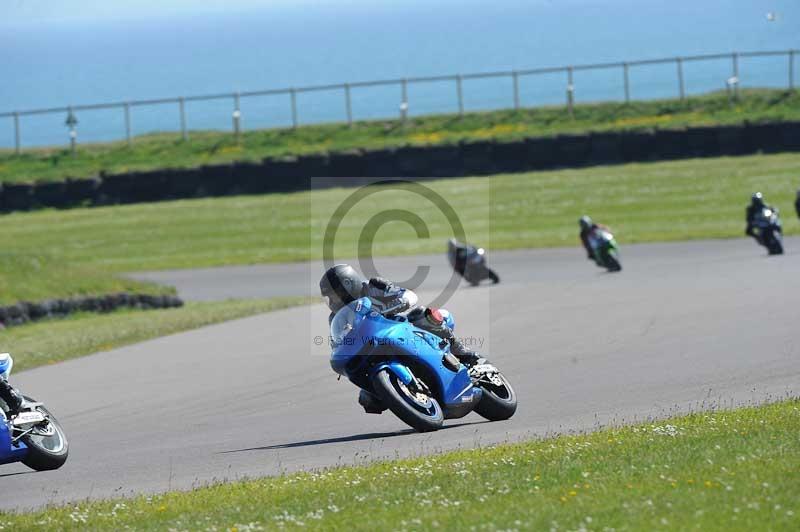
(685, 326)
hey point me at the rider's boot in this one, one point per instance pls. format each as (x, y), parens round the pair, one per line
(371, 403)
(11, 397)
(466, 356)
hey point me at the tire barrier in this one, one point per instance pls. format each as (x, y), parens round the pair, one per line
(25, 311)
(350, 167)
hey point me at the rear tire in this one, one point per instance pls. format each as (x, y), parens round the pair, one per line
(46, 454)
(396, 396)
(497, 403)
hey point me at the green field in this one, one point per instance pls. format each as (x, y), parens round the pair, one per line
(728, 470)
(85, 248)
(206, 147)
(51, 341)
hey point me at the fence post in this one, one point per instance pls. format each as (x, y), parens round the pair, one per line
(570, 92)
(403, 99)
(735, 65)
(515, 76)
(460, 94)
(348, 105)
(17, 142)
(127, 108)
(237, 117)
(681, 88)
(293, 94)
(71, 122)
(791, 69)
(627, 83)
(182, 107)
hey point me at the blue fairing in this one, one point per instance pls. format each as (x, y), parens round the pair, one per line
(364, 343)
(8, 452)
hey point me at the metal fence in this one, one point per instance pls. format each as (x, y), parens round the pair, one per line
(570, 92)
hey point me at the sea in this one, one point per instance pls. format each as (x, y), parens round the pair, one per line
(55, 62)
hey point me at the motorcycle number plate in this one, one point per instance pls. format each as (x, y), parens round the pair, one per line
(484, 368)
(25, 418)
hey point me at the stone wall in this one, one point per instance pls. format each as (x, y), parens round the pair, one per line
(286, 174)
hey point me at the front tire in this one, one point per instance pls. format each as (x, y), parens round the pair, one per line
(611, 261)
(417, 410)
(48, 448)
(497, 403)
(776, 244)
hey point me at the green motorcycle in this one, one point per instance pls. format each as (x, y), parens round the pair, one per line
(605, 250)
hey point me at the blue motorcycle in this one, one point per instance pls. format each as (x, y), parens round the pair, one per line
(411, 372)
(32, 436)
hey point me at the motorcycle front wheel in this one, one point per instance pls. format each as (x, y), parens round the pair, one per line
(776, 244)
(611, 261)
(416, 409)
(497, 402)
(47, 445)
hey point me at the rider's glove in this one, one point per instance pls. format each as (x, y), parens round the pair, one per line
(379, 287)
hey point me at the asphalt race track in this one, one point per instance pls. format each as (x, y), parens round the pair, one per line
(684, 326)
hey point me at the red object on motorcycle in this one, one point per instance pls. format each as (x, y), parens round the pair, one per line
(434, 316)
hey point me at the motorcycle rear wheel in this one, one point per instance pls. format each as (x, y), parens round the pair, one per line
(419, 411)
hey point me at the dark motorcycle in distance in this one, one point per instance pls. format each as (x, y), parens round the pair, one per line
(470, 262)
(769, 231)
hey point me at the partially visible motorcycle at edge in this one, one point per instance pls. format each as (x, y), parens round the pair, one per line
(32, 436)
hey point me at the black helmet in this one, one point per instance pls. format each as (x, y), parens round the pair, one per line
(757, 199)
(585, 222)
(340, 285)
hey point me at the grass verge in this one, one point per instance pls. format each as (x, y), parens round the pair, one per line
(78, 335)
(728, 470)
(676, 200)
(207, 147)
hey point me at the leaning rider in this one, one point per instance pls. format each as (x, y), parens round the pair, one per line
(8, 394)
(587, 228)
(753, 211)
(342, 284)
